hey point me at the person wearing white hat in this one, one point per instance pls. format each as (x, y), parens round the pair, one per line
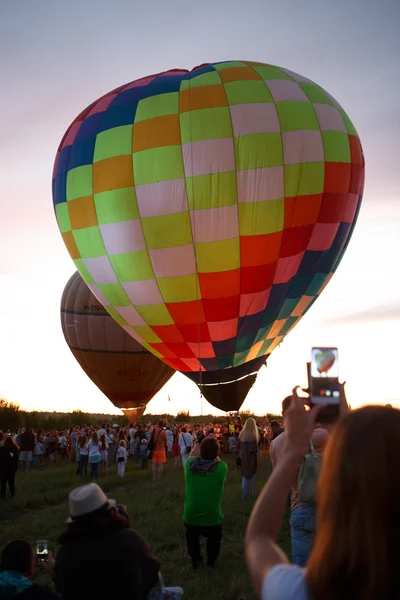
(99, 540)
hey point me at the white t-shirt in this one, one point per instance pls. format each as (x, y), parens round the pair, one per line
(170, 438)
(94, 449)
(185, 439)
(39, 449)
(84, 451)
(132, 433)
(285, 582)
(101, 432)
(121, 453)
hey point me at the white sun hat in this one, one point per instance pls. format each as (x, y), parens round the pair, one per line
(87, 499)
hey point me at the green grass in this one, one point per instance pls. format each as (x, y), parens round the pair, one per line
(155, 509)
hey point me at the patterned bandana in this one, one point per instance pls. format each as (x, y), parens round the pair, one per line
(199, 465)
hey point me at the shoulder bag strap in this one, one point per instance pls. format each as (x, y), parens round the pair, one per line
(312, 448)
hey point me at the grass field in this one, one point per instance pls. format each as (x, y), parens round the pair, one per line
(155, 509)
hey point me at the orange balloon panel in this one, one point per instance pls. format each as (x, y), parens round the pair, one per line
(121, 368)
(134, 414)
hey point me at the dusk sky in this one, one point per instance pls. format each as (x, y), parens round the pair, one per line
(58, 57)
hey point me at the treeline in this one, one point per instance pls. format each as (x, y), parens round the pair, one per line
(12, 418)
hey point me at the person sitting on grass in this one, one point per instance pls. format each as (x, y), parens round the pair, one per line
(99, 540)
(17, 571)
(205, 479)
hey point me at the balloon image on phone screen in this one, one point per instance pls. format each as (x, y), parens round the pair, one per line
(42, 550)
(324, 376)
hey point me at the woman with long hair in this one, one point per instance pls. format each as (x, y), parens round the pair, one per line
(247, 452)
(159, 447)
(103, 454)
(355, 554)
(94, 455)
(83, 455)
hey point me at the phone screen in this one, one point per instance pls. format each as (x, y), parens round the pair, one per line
(324, 376)
(42, 550)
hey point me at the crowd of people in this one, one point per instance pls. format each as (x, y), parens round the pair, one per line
(95, 448)
(344, 521)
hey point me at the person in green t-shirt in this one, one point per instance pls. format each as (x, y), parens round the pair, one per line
(205, 479)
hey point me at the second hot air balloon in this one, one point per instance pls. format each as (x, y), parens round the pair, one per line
(128, 374)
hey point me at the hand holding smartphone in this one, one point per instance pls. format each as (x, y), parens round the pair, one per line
(323, 382)
(42, 551)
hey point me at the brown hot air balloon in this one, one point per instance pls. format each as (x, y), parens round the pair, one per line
(121, 368)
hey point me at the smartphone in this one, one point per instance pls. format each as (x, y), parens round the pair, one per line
(323, 377)
(42, 550)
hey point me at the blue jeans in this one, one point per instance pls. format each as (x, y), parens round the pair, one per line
(94, 472)
(83, 464)
(302, 523)
(248, 486)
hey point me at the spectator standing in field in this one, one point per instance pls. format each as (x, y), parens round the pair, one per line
(232, 443)
(103, 454)
(185, 444)
(74, 436)
(303, 516)
(276, 430)
(26, 447)
(99, 541)
(205, 479)
(176, 452)
(52, 445)
(94, 456)
(248, 454)
(8, 466)
(17, 571)
(83, 448)
(132, 432)
(170, 438)
(110, 447)
(39, 453)
(159, 455)
(102, 430)
(139, 432)
(17, 436)
(144, 454)
(122, 458)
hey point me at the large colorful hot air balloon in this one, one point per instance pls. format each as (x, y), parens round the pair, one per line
(208, 209)
(121, 368)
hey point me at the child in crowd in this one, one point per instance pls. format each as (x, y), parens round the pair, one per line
(122, 458)
(103, 454)
(232, 443)
(144, 454)
(39, 451)
(176, 452)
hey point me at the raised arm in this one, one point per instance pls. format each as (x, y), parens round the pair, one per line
(262, 551)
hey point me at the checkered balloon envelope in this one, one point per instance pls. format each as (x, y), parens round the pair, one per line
(208, 209)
